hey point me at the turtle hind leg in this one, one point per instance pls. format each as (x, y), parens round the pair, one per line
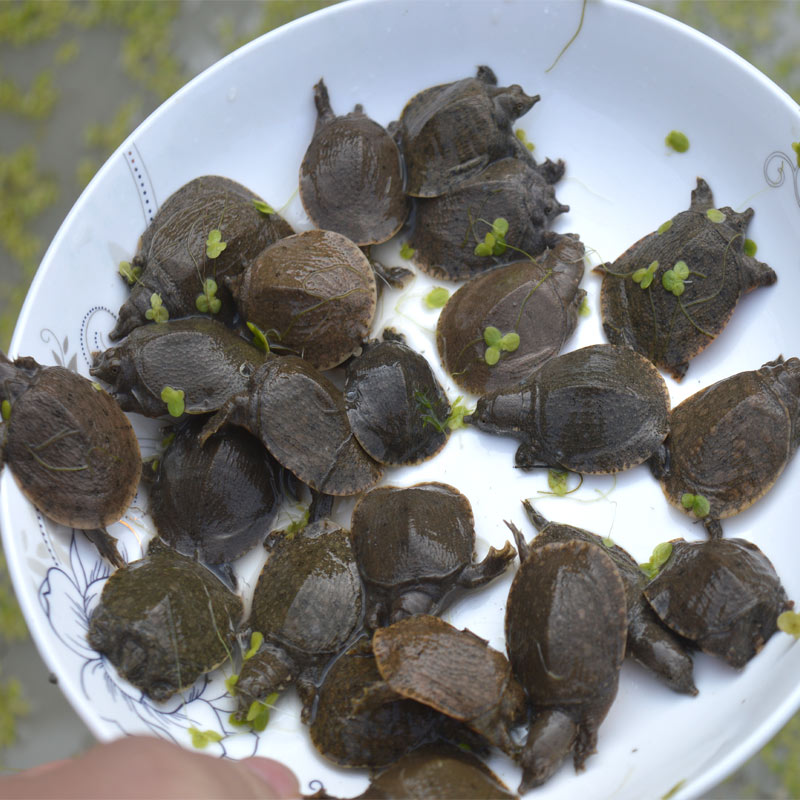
(551, 738)
(106, 545)
(756, 273)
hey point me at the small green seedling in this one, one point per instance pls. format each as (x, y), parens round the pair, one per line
(497, 343)
(750, 247)
(644, 277)
(789, 622)
(660, 556)
(523, 137)
(457, 413)
(258, 713)
(174, 400)
(585, 310)
(678, 141)
(129, 272)
(157, 312)
(208, 300)
(256, 640)
(264, 208)
(715, 215)
(696, 503)
(231, 681)
(494, 242)
(664, 227)
(437, 297)
(214, 243)
(407, 251)
(259, 338)
(557, 481)
(201, 739)
(5, 410)
(673, 279)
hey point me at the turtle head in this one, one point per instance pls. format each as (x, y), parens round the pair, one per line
(502, 412)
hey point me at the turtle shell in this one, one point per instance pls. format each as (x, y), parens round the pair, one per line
(197, 355)
(351, 178)
(173, 255)
(721, 594)
(300, 417)
(396, 406)
(730, 441)
(672, 325)
(71, 449)
(163, 621)
(456, 672)
(447, 228)
(596, 410)
(537, 300)
(315, 291)
(217, 501)
(452, 131)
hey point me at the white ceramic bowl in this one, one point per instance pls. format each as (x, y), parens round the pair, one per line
(629, 78)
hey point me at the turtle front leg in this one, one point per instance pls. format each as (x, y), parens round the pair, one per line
(106, 545)
(756, 273)
(495, 563)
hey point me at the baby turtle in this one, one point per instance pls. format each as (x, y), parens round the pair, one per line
(72, 451)
(415, 548)
(300, 417)
(448, 228)
(207, 229)
(349, 734)
(351, 178)
(163, 621)
(396, 406)
(649, 642)
(721, 594)
(671, 294)
(307, 604)
(600, 409)
(315, 290)
(538, 301)
(197, 356)
(452, 131)
(456, 672)
(566, 625)
(729, 442)
(217, 501)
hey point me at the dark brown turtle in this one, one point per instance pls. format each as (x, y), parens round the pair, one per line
(72, 451)
(600, 409)
(351, 178)
(452, 131)
(300, 417)
(197, 356)
(537, 300)
(315, 291)
(307, 604)
(566, 625)
(448, 228)
(722, 594)
(165, 620)
(174, 258)
(729, 442)
(415, 548)
(353, 734)
(455, 672)
(217, 501)
(671, 294)
(649, 642)
(396, 406)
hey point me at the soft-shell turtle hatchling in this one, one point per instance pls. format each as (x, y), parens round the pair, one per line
(351, 178)
(452, 131)
(599, 409)
(71, 449)
(415, 548)
(566, 625)
(174, 258)
(721, 594)
(165, 620)
(428, 660)
(670, 294)
(729, 442)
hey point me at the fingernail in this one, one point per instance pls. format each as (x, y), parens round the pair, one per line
(279, 777)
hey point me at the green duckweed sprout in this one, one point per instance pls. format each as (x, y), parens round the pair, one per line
(208, 300)
(664, 227)
(457, 413)
(297, 525)
(750, 247)
(259, 338)
(264, 208)
(258, 713)
(644, 277)
(557, 481)
(522, 136)
(201, 739)
(231, 681)
(157, 312)
(5, 410)
(715, 215)
(659, 557)
(673, 279)
(678, 141)
(789, 622)
(796, 148)
(608, 542)
(496, 343)
(585, 309)
(494, 242)
(174, 400)
(437, 297)
(214, 243)
(696, 503)
(407, 251)
(129, 272)
(256, 640)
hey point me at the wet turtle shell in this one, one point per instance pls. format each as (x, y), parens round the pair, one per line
(198, 356)
(315, 290)
(456, 672)
(565, 626)
(351, 178)
(538, 300)
(173, 259)
(415, 548)
(396, 406)
(163, 621)
(452, 131)
(71, 449)
(300, 417)
(721, 594)
(671, 327)
(730, 441)
(447, 228)
(649, 641)
(216, 501)
(307, 604)
(599, 409)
